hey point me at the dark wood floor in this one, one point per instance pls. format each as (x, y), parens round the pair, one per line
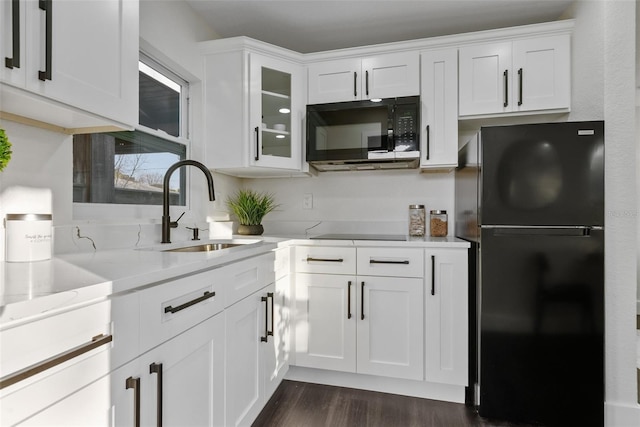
(298, 404)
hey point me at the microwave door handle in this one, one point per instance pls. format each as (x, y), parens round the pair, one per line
(390, 145)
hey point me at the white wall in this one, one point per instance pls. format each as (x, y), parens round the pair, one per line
(355, 202)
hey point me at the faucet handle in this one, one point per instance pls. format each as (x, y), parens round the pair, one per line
(174, 224)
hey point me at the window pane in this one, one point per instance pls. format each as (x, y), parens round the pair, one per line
(159, 102)
(126, 168)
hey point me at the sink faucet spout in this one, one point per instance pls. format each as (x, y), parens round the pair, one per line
(167, 224)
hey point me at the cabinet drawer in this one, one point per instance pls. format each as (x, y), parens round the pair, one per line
(173, 307)
(325, 259)
(34, 351)
(396, 262)
(243, 278)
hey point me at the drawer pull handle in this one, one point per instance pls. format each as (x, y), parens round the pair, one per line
(204, 297)
(134, 383)
(156, 368)
(376, 261)
(32, 370)
(309, 259)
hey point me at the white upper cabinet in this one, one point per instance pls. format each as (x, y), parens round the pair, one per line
(253, 109)
(524, 75)
(381, 76)
(439, 109)
(73, 64)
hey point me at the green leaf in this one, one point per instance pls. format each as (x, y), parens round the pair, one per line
(250, 206)
(5, 149)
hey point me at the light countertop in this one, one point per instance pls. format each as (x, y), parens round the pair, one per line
(45, 287)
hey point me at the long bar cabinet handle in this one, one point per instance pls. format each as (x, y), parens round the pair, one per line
(349, 299)
(520, 87)
(355, 84)
(47, 7)
(362, 301)
(265, 338)
(257, 156)
(506, 87)
(376, 261)
(428, 142)
(134, 383)
(14, 62)
(309, 259)
(270, 295)
(156, 368)
(366, 74)
(433, 274)
(49, 363)
(204, 297)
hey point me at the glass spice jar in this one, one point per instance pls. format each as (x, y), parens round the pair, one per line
(417, 220)
(438, 223)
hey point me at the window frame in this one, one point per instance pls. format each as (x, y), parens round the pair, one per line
(114, 213)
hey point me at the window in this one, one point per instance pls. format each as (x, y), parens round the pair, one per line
(129, 167)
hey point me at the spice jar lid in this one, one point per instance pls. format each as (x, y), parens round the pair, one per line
(438, 212)
(416, 206)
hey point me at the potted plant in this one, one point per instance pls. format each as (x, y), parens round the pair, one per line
(5, 149)
(250, 207)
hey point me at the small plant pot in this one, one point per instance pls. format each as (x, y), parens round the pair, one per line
(250, 230)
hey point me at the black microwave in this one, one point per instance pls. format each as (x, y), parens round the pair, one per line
(369, 132)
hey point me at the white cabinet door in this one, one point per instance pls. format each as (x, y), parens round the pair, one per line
(439, 134)
(326, 321)
(542, 73)
(382, 76)
(80, 54)
(276, 350)
(275, 87)
(446, 316)
(246, 331)
(485, 78)
(334, 81)
(526, 75)
(183, 379)
(390, 327)
(391, 75)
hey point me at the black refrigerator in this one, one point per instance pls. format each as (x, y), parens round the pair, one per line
(530, 199)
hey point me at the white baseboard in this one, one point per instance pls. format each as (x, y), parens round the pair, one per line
(422, 389)
(621, 415)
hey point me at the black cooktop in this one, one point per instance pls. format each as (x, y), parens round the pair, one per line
(387, 237)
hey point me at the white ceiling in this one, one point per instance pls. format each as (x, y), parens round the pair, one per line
(317, 25)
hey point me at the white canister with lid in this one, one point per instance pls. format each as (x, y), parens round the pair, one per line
(28, 237)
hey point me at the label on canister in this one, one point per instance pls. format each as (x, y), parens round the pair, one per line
(28, 237)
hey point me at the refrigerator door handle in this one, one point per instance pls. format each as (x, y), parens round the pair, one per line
(569, 231)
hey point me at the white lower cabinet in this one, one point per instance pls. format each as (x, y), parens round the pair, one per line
(446, 316)
(256, 330)
(363, 324)
(180, 383)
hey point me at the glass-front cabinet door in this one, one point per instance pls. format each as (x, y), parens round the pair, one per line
(275, 113)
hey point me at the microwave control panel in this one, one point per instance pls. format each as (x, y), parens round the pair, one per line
(406, 126)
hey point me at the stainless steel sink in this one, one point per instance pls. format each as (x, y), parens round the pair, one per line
(207, 247)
